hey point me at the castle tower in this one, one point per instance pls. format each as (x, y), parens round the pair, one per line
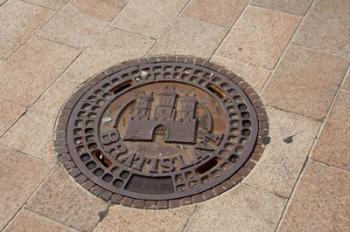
(142, 109)
(165, 110)
(188, 109)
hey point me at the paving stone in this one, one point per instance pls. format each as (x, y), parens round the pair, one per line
(32, 134)
(327, 28)
(190, 37)
(125, 219)
(316, 75)
(120, 3)
(113, 47)
(10, 112)
(255, 76)
(346, 85)
(100, 9)
(52, 4)
(291, 139)
(28, 73)
(20, 175)
(334, 145)
(223, 13)
(297, 7)
(79, 22)
(62, 200)
(321, 201)
(54, 97)
(149, 18)
(19, 20)
(26, 221)
(259, 37)
(241, 209)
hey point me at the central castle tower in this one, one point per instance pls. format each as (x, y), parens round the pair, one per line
(141, 125)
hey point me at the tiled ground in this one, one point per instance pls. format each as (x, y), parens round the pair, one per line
(295, 54)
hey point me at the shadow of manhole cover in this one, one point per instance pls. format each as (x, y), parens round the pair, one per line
(161, 132)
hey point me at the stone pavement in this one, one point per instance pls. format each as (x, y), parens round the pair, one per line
(295, 54)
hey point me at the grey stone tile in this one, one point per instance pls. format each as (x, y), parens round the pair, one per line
(321, 201)
(327, 28)
(31, 70)
(54, 97)
(149, 18)
(32, 134)
(190, 37)
(259, 37)
(305, 81)
(333, 146)
(346, 85)
(297, 7)
(19, 20)
(112, 48)
(223, 13)
(10, 112)
(52, 4)
(27, 221)
(62, 200)
(291, 139)
(255, 76)
(126, 219)
(79, 23)
(20, 175)
(241, 209)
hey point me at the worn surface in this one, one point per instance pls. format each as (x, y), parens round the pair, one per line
(320, 202)
(60, 199)
(259, 37)
(295, 55)
(165, 138)
(121, 218)
(20, 176)
(27, 221)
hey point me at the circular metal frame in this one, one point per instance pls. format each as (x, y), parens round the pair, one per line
(83, 149)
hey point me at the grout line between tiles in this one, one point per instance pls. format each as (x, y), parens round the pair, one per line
(229, 30)
(278, 11)
(28, 155)
(319, 51)
(3, 3)
(32, 34)
(286, 48)
(189, 220)
(36, 4)
(101, 220)
(37, 190)
(329, 165)
(168, 27)
(29, 197)
(296, 113)
(30, 106)
(50, 219)
(14, 122)
(57, 42)
(314, 143)
(131, 32)
(264, 190)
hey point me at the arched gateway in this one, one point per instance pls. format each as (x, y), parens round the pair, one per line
(180, 125)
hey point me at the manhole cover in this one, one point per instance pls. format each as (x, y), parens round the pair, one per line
(161, 132)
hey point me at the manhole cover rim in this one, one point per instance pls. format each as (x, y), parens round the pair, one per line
(70, 165)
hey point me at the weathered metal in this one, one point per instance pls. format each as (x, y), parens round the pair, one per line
(161, 132)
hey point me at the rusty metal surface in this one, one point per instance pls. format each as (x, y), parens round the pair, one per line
(161, 132)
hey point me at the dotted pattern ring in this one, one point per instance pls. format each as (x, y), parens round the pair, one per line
(161, 132)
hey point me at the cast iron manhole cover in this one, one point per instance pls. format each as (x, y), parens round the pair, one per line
(161, 132)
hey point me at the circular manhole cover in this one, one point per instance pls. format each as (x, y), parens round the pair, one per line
(161, 132)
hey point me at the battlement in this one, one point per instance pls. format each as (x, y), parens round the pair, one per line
(141, 125)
